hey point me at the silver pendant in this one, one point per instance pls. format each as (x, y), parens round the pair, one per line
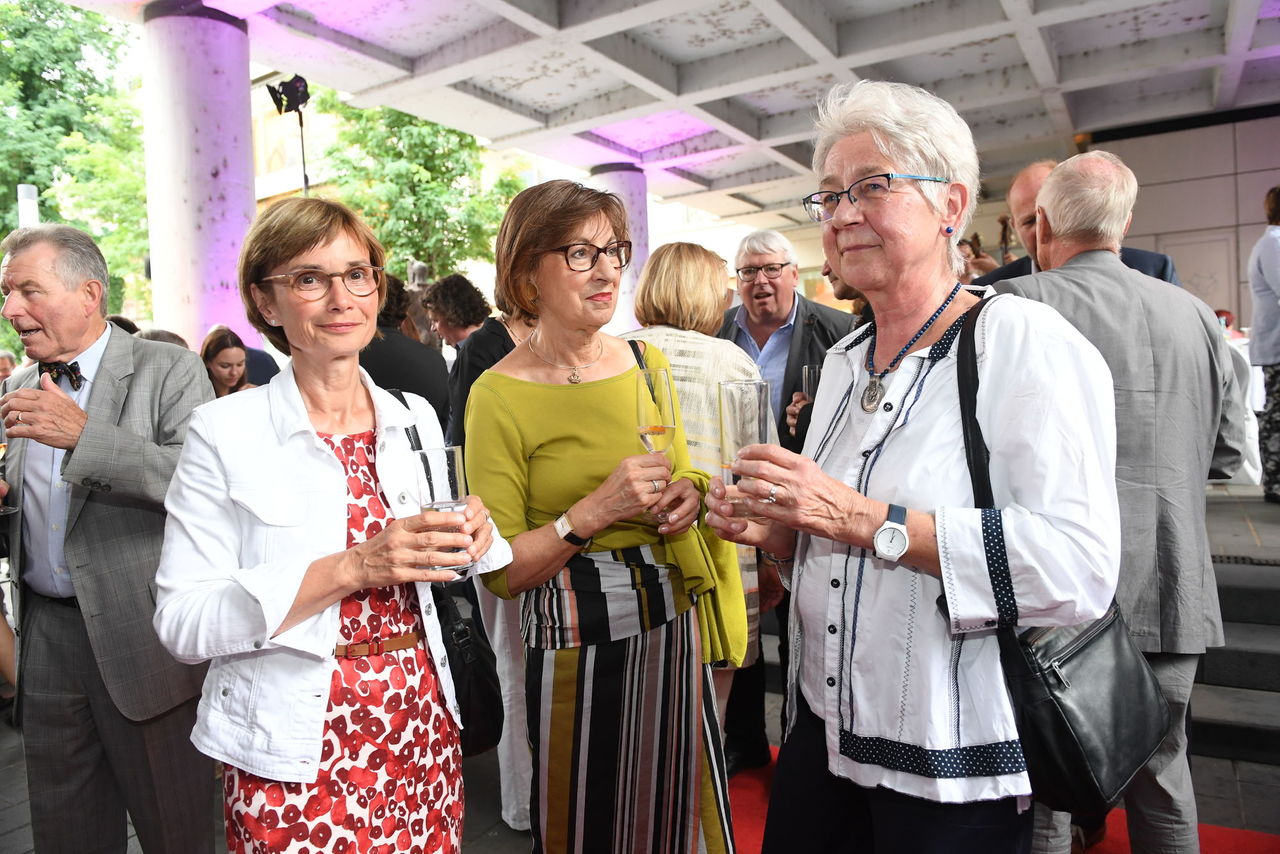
(872, 394)
(575, 377)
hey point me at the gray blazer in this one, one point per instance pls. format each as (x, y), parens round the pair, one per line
(1179, 420)
(817, 327)
(118, 474)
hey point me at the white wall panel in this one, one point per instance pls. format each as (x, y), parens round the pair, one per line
(1256, 146)
(1251, 187)
(1177, 156)
(1188, 205)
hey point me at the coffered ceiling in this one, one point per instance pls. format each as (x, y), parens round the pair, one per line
(714, 99)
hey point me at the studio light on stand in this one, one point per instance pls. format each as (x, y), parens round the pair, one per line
(289, 97)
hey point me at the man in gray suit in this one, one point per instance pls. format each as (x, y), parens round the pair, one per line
(1179, 420)
(94, 433)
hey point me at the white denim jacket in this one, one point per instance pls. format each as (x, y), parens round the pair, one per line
(257, 496)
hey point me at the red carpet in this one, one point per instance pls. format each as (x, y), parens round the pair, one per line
(749, 794)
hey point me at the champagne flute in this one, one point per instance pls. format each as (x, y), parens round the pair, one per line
(5, 509)
(442, 484)
(744, 420)
(655, 417)
(810, 376)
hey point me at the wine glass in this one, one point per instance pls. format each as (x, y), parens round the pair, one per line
(810, 376)
(655, 417)
(5, 509)
(442, 484)
(744, 420)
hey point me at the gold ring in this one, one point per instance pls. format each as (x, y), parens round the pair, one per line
(19, 417)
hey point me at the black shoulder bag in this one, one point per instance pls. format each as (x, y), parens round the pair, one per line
(472, 664)
(1088, 708)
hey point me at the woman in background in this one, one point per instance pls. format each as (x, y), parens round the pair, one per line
(680, 300)
(224, 354)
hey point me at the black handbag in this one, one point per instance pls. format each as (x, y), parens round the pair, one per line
(472, 664)
(1089, 711)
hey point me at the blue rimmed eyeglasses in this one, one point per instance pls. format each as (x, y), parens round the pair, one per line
(821, 206)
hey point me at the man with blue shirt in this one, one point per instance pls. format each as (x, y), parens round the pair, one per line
(782, 332)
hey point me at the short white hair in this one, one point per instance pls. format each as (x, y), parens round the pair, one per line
(916, 130)
(1088, 198)
(766, 241)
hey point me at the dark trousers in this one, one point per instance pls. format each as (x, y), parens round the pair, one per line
(744, 724)
(1269, 430)
(812, 810)
(87, 764)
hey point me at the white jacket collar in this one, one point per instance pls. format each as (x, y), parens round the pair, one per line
(289, 414)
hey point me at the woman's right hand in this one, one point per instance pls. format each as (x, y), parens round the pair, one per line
(415, 548)
(773, 537)
(627, 492)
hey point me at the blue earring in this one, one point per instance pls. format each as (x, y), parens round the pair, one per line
(950, 230)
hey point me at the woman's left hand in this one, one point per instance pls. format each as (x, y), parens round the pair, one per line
(680, 502)
(792, 490)
(477, 527)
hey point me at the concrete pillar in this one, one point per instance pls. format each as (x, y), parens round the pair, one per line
(627, 182)
(199, 157)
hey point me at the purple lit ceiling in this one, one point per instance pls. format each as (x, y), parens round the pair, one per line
(714, 99)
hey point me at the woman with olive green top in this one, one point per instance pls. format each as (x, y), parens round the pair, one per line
(621, 717)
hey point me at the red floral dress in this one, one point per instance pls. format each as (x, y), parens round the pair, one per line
(390, 776)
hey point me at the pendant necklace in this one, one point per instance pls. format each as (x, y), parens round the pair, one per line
(574, 376)
(875, 390)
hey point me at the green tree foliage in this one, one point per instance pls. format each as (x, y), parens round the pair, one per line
(53, 60)
(417, 184)
(101, 188)
(64, 125)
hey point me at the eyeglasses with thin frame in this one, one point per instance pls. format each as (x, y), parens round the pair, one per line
(360, 281)
(582, 257)
(771, 271)
(821, 206)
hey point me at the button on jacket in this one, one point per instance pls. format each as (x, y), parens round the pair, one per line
(256, 498)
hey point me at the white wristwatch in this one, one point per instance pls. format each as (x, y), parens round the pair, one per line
(891, 541)
(564, 530)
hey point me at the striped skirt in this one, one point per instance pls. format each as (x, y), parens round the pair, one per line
(627, 754)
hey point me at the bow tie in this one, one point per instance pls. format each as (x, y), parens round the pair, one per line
(57, 370)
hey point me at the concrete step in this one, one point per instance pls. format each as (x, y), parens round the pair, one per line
(1251, 658)
(1249, 593)
(1235, 723)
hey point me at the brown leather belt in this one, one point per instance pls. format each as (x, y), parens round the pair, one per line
(378, 647)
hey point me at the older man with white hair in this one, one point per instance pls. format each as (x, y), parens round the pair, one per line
(1179, 420)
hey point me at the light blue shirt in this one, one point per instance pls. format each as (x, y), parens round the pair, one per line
(773, 358)
(46, 496)
(1264, 282)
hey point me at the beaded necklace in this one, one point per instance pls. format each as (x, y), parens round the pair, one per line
(875, 391)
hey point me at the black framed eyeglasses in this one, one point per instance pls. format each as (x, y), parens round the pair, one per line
(582, 257)
(821, 206)
(771, 271)
(360, 281)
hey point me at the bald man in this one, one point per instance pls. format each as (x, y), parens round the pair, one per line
(1022, 209)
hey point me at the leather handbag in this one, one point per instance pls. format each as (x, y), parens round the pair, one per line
(472, 664)
(1089, 711)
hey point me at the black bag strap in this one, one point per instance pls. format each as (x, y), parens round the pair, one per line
(979, 458)
(450, 617)
(415, 441)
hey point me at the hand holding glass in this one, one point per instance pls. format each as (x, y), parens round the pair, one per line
(655, 417)
(744, 420)
(442, 484)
